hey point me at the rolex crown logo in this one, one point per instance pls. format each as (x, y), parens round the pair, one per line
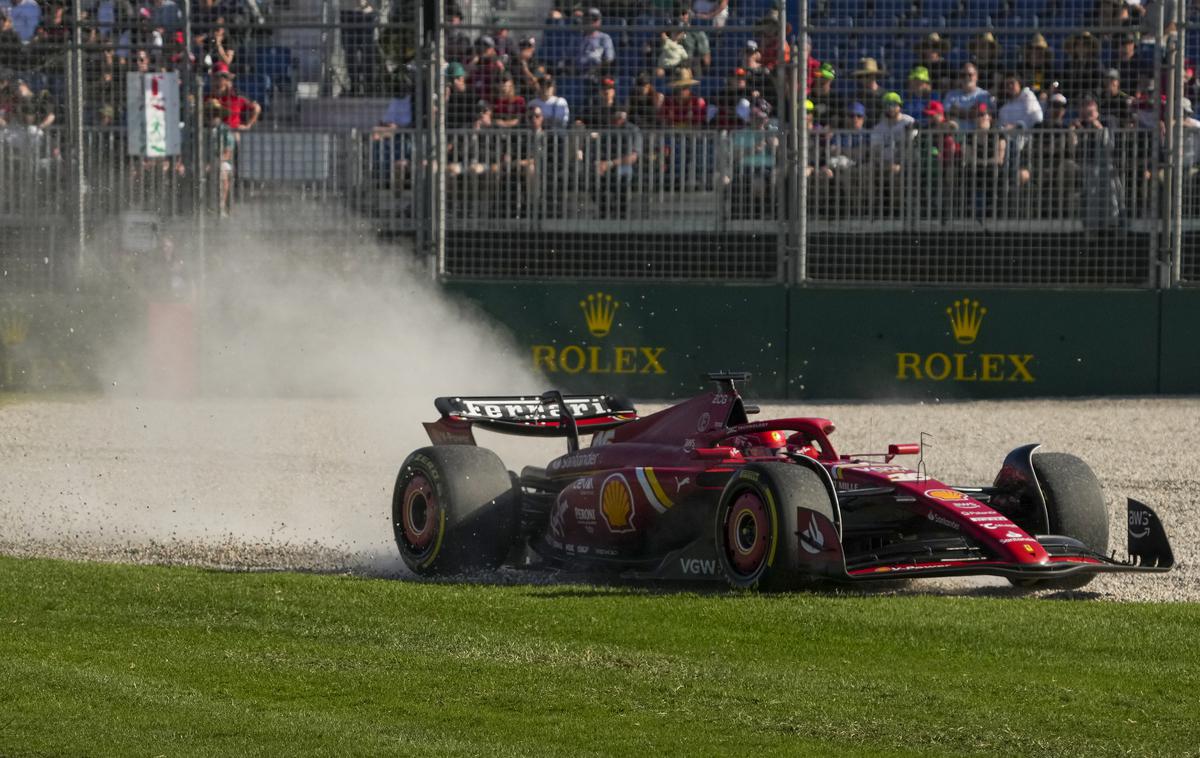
(599, 309)
(14, 328)
(966, 316)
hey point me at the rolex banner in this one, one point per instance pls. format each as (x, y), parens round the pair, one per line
(654, 341)
(971, 343)
(648, 341)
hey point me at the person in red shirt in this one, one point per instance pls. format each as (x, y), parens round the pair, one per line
(681, 108)
(240, 113)
(507, 106)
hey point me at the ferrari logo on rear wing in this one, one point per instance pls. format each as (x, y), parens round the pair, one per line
(535, 416)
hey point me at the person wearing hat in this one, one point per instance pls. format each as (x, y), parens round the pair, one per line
(963, 102)
(828, 106)
(596, 52)
(460, 105)
(694, 41)
(599, 112)
(754, 149)
(891, 135)
(850, 146)
(870, 91)
(243, 113)
(984, 51)
(459, 46)
(1020, 112)
(920, 89)
(484, 69)
(1037, 64)
(671, 52)
(775, 49)
(931, 53)
(644, 102)
(1116, 105)
(1083, 74)
(724, 106)
(984, 152)
(758, 76)
(1132, 64)
(616, 153)
(681, 108)
(527, 69)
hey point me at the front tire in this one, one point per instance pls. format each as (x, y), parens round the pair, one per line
(1075, 507)
(454, 510)
(757, 529)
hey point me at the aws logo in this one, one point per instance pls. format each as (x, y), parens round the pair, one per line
(966, 321)
(599, 315)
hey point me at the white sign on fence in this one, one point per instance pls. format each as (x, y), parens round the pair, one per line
(152, 108)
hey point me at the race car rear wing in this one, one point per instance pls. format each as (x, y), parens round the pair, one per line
(550, 415)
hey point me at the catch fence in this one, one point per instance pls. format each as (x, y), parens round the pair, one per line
(365, 132)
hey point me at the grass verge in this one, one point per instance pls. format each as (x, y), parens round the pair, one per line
(119, 660)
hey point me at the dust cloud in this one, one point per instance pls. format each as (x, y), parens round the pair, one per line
(316, 364)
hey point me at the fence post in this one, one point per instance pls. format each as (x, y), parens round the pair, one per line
(799, 116)
(76, 120)
(1175, 273)
(439, 123)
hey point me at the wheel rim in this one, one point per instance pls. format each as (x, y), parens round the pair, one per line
(747, 533)
(419, 516)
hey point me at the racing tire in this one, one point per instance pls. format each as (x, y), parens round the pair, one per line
(1075, 507)
(757, 525)
(454, 510)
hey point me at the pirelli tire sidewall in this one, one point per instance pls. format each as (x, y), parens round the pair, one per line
(776, 491)
(454, 510)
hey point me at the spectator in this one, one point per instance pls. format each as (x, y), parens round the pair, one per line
(1021, 111)
(10, 45)
(26, 16)
(758, 76)
(221, 50)
(224, 144)
(723, 107)
(931, 53)
(645, 102)
(681, 109)
(849, 151)
(603, 108)
(525, 153)
(892, 134)
(694, 42)
(716, 11)
(671, 52)
(1058, 171)
(1131, 64)
(617, 152)
(596, 52)
(460, 112)
(963, 103)
(555, 110)
(984, 152)
(775, 49)
(920, 89)
(166, 15)
(507, 106)
(984, 51)
(828, 106)
(1037, 65)
(459, 47)
(526, 69)
(1102, 201)
(870, 91)
(484, 69)
(507, 48)
(242, 113)
(1083, 74)
(755, 152)
(1116, 106)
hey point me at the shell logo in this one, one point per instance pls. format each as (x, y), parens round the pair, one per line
(616, 504)
(947, 495)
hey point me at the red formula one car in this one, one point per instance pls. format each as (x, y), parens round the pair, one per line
(699, 491)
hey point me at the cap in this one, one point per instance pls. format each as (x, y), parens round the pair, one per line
(919, 73)
(644, 78)
(1113, 74)
(482, 106)
(751, 44)
(527, 42)
(934, 108)
(826, 71)
(485, 41)
(740, 73)
(982, 110)
(607, 83)
(593, 12)
(893, 98)
(1058, 98)
(222, 69)
(856, 109)
(808, 106)
(455, 70)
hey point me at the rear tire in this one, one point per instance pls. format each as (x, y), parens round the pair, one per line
(1076, 508)
(757, 525)
(454, 510)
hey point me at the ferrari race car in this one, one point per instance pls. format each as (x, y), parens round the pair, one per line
(698, 491)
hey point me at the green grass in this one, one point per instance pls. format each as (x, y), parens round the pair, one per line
(120, 660)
